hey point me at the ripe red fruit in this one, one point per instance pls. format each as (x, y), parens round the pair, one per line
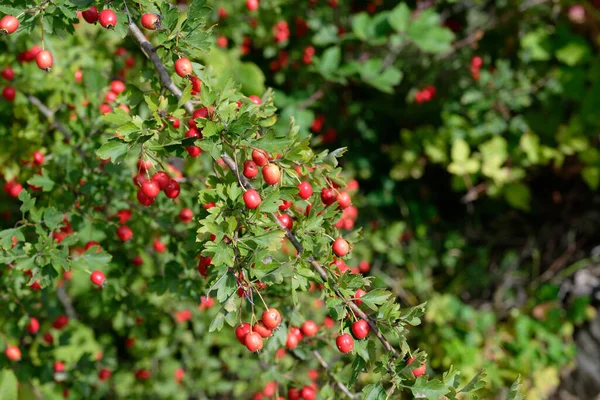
(313, 374)
(104, 374)
(8, 73)
(344, 200)
(252, 199)
(48, 338)
(260, 157)
(105, 108)
(250, 169)
(60, 322)
(9, 93)
(418, 371)
(340, 247)
(271, 173)
(8, 24)
(361, 329)
(161, 179)
(107, 18)
(143, 199)
(142, 374)
(13, 353)
(186, 215)
(364, 266)
(176, 123)
(137, 261)
(241, 331)
(285, 205)
(196, 85)
(359, 293)
(117, 86)
(173, 189)
(59, 367)
(38, 158)
(179, 375)
(292, 341)
(159, 246)
(309, 328)
(98, 278)
(193, 151)
(90, 15)
(271, 318)
(286, 221)
(294, 394)
(33, 326)
(262, 330)
(183, 67)
(151, 188)
(344, 343)
(150, 21)
(253, 341)
(328, 196)
(255, 99)
(203, 265)
(270, 389)
(305, 190)
(252, 5)
(222, 41)
(308, 393)
(124, 233)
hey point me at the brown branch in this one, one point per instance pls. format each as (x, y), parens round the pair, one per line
(316, 96)
(340, 385)
(66, 302)
(164, 76)
(48, 113)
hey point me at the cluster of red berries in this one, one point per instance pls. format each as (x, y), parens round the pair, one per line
(281, 31)
(425, 95)
(150, 188)
(106, 17)
(116, 88)
(252, 336)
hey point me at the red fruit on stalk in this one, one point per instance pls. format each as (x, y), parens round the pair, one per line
(173, 189)
(186, 215)
(304, 190)
(250, 169)
(344, 343)
(340, 247)
(255, 99)
(253, 341)
(328, 196)
(9, 93)
(90, 15)
(260, 157)
(108, 19)
(8, 24)
(8, 73)
(33, 326)
(162, 179)
(309, 328)
(13, 353)
(241, 331)
(124, 233)
(183, 67)
(143, 199)
(361, 329)
(262, 330)
(271, 174)
(98, 278)
(286, 221)
(150, 21)
(271, 318)
(252, 199)
(418, 371)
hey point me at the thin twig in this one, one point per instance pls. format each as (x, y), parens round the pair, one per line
(323, 363)
(48, 113)
(66, 302)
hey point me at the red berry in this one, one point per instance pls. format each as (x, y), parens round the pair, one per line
(253, 341)
(309, 328)
(159, 246)
(252, 199)
(271, 173)
(250, 169)
(260, 157)
(8, 24)
(13, 353)
(117, 86)
(252, 5)
(143, 199)
(183, 67)
(241, 331)
(418, 371)
(33, 326)
(186, 215)
(305, 190)
(292, 341)
(60, 322)
(48, 338)
(151, 189)
(59, 367)
(340, 247)
(361, 329)
(308, 393)
(104, 374)
(359, 293)
(142, 374)
(124, 233)
(328, 196)
(271, 318)
(255, 99)
(90, 15)
(286, 221)
(222, 41)
(294, 394)
(105, 108)
(38, 158)
(196, 84)
(262, 330)
(344, 200)
(9, 93)
(150, 21)
(173, 189)
(270, 389)
(176, 123)
(162, 179)
(98, 278)
(344, 343)
(137, 261)
(179, 375)
(107, 18)
(8, 73)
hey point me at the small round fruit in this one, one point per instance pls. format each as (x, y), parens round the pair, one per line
(150, 21)
(252, 199)
(151, 188)
(159, 246)
(292, 341)
(38, 158)
(262, 330)
(104, 374)
(285, 205)
(304, 190)
(173, 189)
(328, 196)
(9, 93)
(271, 318)
(186, 215)
(308, 393)
(252, 5)
(90, 15)
(117, 86)
(98, 278)
(344, 343)
(286, 221)
(183, 67)
(143, 199)
(108, 19)
(253, 341)
(124, 233)
(241, 331)
(13, 353)
(417, 371)
(8, 24)
(162, 179)
(340, 247)
(359, 293)
(260, 157)
(33, 326)
(8, 73)
(271, 173)
(59, 366)
(344, 200)
(250, 169)
(361, 329)
(255, 99)
(309, 328)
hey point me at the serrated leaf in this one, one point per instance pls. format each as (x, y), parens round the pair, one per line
(374, 297)
(399, 17)
(115, 150)
(42, 181)
(8, 385)
(28, 202)
(432, 390)
(374, 392)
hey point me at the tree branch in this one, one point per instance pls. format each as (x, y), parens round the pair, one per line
(48, 113)
(165, 77)
(340, 385)
(66, 302)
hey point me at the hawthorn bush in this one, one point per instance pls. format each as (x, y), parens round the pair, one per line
(171, 234)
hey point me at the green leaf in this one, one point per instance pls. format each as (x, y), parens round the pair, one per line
(374, 392)
(374, 297)
(573, 53)
(52, 217)
(399, 17)
(117, 117)
(358, 365)
(28, 202)
(360, 22)
(514, 391)
(475, 384)
(42, 181)
(518, 196)
(591, 176)
(198, 10)
(251, 77)
(114, 149)
(330, 60)
(432, 390)
(427, 33)
(8, 385)
(92, 259)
